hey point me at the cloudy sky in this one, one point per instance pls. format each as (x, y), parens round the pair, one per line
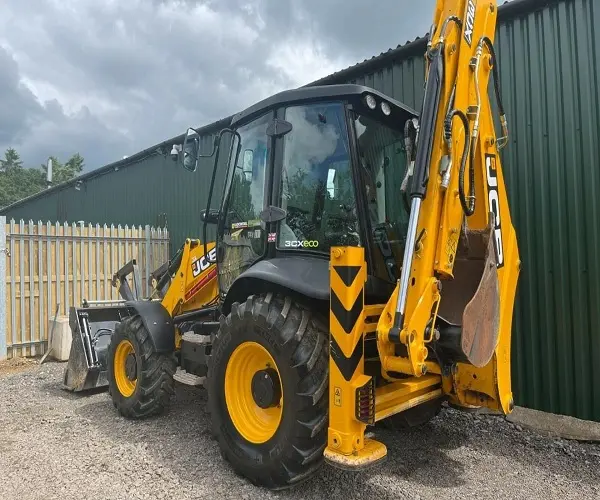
(109, 78)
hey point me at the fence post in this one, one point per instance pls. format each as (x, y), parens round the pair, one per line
(147, 260)
(3, 250)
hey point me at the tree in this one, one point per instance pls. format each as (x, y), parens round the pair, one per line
(17, 182)
(67, 171)
(11, 160)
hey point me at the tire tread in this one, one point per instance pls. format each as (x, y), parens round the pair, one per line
(156, 380)
(299, 334)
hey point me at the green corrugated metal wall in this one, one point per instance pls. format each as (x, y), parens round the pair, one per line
(548, 53)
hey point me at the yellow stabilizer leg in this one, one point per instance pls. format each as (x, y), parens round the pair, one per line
(351, 392)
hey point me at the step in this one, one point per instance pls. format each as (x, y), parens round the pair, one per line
(194, 338)
(186, 378)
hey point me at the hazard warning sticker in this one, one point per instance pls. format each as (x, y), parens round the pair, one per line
(337, 396)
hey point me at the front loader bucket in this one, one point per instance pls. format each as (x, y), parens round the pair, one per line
(92, 328)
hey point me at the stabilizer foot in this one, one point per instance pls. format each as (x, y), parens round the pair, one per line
(372, 454)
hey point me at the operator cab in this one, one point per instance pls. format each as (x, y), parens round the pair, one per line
(310, 169)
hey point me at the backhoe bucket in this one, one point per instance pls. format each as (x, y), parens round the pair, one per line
(92, 328)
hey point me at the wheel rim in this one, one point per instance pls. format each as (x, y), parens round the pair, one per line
(254, 423)
(125, 375)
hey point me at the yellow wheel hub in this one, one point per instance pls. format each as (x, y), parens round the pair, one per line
(125, 368)
(253, 392)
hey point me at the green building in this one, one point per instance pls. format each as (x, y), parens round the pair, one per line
(549, 67)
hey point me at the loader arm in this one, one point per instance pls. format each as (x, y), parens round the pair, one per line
(193, 285)
(454, 301)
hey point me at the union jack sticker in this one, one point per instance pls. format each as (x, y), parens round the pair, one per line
(272, 237)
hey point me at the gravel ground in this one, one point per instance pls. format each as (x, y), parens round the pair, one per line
(56, 445)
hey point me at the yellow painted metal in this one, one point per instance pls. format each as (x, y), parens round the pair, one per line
(254, 423)
(400, 396)
(194, 284)
(346, 444)
(467, 71)
(372, 453)
(125, 385)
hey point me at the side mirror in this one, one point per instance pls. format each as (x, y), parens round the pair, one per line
(212, 217)
(191, 147)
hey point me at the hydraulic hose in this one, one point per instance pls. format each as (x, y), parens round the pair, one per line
(468, 150)
(496, 74)
(468, 203)
(469, 208)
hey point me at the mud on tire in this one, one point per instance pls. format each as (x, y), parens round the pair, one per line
(297, 342)
(154, 385)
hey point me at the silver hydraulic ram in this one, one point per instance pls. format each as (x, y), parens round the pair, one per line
(420, 176)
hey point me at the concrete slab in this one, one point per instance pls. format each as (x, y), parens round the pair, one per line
(556, 425)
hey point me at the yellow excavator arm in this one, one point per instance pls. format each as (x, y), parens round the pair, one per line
(461, 261)
(446, 329)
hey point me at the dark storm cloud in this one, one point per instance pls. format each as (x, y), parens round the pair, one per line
(18, 104)
(110, 78)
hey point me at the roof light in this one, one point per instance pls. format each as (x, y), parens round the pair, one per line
(385, 107)
(370, 101)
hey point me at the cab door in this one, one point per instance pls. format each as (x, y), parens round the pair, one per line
(244, 235)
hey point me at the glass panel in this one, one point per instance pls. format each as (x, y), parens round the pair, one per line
(383, 164)
(244, 239)
(316, 186)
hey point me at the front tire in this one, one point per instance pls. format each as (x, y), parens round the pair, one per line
(273, 434)
(140, 380)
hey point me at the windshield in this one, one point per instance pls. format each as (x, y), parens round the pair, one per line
(317, 191)
(383, 164)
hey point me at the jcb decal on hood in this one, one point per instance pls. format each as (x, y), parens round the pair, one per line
(202, 264)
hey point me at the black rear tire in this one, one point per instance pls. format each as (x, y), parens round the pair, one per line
(154, 385)
(297, 342)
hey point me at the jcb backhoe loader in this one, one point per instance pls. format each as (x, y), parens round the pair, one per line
(366, 265)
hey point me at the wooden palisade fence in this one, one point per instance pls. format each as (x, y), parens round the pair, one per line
(64, 264)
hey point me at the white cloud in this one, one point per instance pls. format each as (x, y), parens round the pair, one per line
(304, 61)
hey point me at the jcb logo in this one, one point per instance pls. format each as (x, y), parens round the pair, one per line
(494, 202)
(470, 21)
(302, 244)
(202, 264)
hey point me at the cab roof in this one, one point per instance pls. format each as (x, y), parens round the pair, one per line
(321, 93)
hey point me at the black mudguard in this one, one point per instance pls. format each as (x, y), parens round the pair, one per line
(158, 323)
(307, 276)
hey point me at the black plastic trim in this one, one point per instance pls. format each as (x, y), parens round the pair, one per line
(158, 323)
(307, 276)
